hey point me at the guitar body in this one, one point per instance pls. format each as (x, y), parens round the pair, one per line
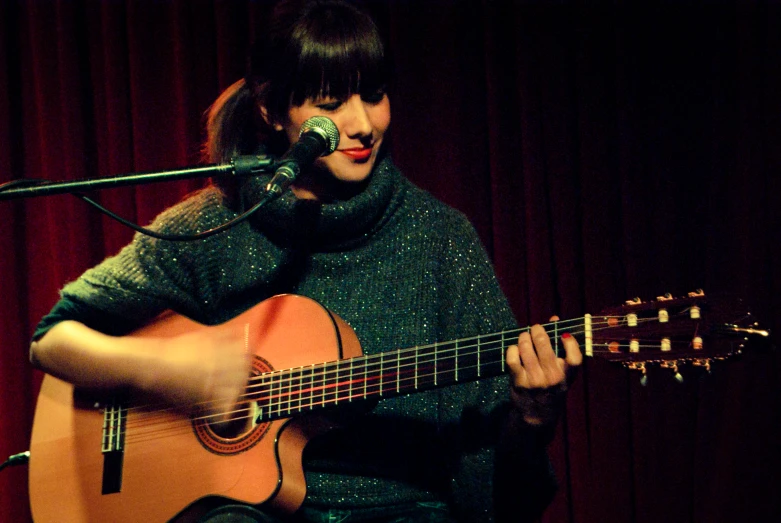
(98, 460)
(170, 460)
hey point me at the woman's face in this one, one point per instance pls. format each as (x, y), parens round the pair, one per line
(362, 121)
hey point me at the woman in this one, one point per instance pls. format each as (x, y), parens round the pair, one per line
(400, 267)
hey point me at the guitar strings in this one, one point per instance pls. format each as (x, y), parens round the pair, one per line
(385, 356)
(286, 402)
(273, 376)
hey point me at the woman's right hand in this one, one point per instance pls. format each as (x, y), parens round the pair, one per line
(204, 370)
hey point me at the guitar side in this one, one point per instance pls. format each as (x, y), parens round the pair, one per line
(166, 466)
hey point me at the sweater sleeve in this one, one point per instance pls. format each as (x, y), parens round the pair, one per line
(148, 276)
(516, 475)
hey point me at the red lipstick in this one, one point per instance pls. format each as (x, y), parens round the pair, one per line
(357, 153)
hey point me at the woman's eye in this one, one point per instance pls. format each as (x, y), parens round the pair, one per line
(373, 97)
(330, 106)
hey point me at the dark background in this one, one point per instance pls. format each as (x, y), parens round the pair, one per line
(603, 150)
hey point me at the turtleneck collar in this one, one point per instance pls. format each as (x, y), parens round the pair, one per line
(317, 226)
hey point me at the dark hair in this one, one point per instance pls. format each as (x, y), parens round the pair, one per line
(309, 48)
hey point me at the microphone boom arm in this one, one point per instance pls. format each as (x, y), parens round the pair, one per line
(239, 166)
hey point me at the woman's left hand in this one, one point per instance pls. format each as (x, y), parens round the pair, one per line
(539, 378)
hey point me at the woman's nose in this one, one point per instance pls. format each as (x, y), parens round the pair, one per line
(356, 123)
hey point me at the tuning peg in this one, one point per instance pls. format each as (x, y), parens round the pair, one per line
(641, 367)
(634, 301)
(704, 363)
(696, 293)
(673, 365)
(665, 297)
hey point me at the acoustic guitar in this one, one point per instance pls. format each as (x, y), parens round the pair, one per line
(94, 459)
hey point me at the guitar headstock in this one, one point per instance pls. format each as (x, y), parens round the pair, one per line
(668, 331)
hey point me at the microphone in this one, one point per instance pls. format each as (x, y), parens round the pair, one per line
(318, 137)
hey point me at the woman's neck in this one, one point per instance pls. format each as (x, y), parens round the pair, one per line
(323, 187)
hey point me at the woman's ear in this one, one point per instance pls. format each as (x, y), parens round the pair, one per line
(266, 118)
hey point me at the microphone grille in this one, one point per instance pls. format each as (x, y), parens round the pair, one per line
(325, 128)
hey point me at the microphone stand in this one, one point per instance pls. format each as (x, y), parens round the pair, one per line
(239, 166)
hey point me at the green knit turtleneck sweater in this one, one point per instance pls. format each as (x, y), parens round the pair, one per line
(400, 267)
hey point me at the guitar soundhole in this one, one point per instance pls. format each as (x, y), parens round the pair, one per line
(241, 431)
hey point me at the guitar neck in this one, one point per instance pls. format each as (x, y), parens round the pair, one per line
(281, 394)
(666, 332)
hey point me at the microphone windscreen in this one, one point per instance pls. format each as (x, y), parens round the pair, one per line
(326, 128)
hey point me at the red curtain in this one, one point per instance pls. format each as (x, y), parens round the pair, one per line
(602, 151)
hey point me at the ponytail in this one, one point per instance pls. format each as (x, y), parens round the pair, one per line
(232, 125)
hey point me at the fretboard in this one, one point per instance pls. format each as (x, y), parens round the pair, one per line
(281, 394)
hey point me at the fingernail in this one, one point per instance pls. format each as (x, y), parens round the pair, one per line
(566, 335)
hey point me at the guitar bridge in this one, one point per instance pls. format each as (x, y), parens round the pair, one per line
(113, 448)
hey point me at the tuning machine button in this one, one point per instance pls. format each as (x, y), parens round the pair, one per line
(673, 366)
(639, 366)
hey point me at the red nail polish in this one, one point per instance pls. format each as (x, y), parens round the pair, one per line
(566, 335)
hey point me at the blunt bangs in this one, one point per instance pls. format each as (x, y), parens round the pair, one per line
(348, 61)
(329, 50)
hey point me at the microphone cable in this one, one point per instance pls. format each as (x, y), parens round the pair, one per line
(320, 137)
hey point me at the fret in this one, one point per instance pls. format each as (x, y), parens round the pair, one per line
(326, 386)
(286, 398)
(456, 359)
(291, 391)
(343, 383)
(350, 381)
(283, 398)
(381, 373)
(491, 352)
(477, 342)
(365, 377)
(467, 360)
(436, 369)
(416, 369)
(311, 391)
(505, 343)
(398, 371)
(285, 391)
(337, 382)
(301, 389)
(446, 363)
(270, 396)
(427, 369)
